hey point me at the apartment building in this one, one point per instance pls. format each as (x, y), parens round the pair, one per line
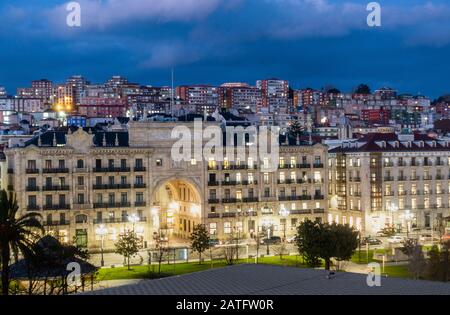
(391, 180)
(89, 184)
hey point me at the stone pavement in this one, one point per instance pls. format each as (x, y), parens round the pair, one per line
(274, 280)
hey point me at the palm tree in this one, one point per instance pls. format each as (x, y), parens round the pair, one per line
(16, 233)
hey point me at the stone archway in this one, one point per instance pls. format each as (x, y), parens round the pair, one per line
(176, 208)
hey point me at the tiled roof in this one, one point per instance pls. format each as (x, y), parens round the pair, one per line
(275, 280)
(383, 142)
(47, 138)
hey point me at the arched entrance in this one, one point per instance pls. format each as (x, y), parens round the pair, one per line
(175, 211)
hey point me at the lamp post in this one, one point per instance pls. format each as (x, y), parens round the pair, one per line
(284, 213)
(267, 224)
(394, 209)
(408, 216)
(133, 219)
(101, 230)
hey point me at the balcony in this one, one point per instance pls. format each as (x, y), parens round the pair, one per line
(140, 204)
(56, 223)
(112, 186)
(10, 187)
(213, 215)
(319, 197)
(304, 165)
(140, 169)
(213, 183)
(402, 178)
(32, 188)
(357, 179)
(228, 215)
(111, 169)
(32, 171)
(304, 197)
(213, 201)
(33, 208)
(388, 178)
(10, 171)
(230, 200)
(250, 199)
(390, 164)
(301, 211)
(286, 182)
(55, 170)
(229, 183)
(318, 165)
(440, 177)
(213, 167)
(428, 178)
(319, 211)
(56, 207)
(117, 220)
(286, 166)
(389, 193)
(112, 205)
(56, 188)
(140, 186)
(415, 178)
(248, 183)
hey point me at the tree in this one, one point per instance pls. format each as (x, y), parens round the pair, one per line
(200, 240)
(362, 89)
(346, 241)
(438, 267)
(317, 240)
(417, 262)
(295, 129)
(17, 233)
(127, 246)
(308, 237)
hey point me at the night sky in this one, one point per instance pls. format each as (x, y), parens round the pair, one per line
(311, 43)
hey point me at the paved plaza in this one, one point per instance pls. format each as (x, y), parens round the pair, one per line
(275, 280)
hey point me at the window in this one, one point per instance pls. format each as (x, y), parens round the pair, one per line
(62, 164)
(139, 163)
(111, 163)
(32, 201)
(123, 163)
(80, 199)
(31, 164)
(80, 164)
(227, 227)
(139, 198)
(193, 162)
(213, 228)
(48, 200)
(238, 177)
(159, 162)
(250, 178)
(139, 180)
(32, 182)
(266, 178)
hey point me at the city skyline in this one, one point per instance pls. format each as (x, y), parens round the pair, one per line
(214, 42)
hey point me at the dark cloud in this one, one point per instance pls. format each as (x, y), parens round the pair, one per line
(309, 42)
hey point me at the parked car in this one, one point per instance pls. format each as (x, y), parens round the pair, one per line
(371, 241)
(214, 242)
(271, 241)
(291, 239)
(395, 239)
(428, 238)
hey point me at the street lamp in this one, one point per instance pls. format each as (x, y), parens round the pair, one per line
(133, 219)
(394, 209)
(101, 230)
(267, 225)
(408, 216)
(284, 213)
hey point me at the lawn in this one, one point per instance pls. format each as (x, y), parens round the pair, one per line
(151, 272)
(400, 271)
(364, 259)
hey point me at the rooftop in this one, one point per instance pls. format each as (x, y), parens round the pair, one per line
(274, 280)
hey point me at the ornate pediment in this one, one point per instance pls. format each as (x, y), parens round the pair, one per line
(80, 141)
